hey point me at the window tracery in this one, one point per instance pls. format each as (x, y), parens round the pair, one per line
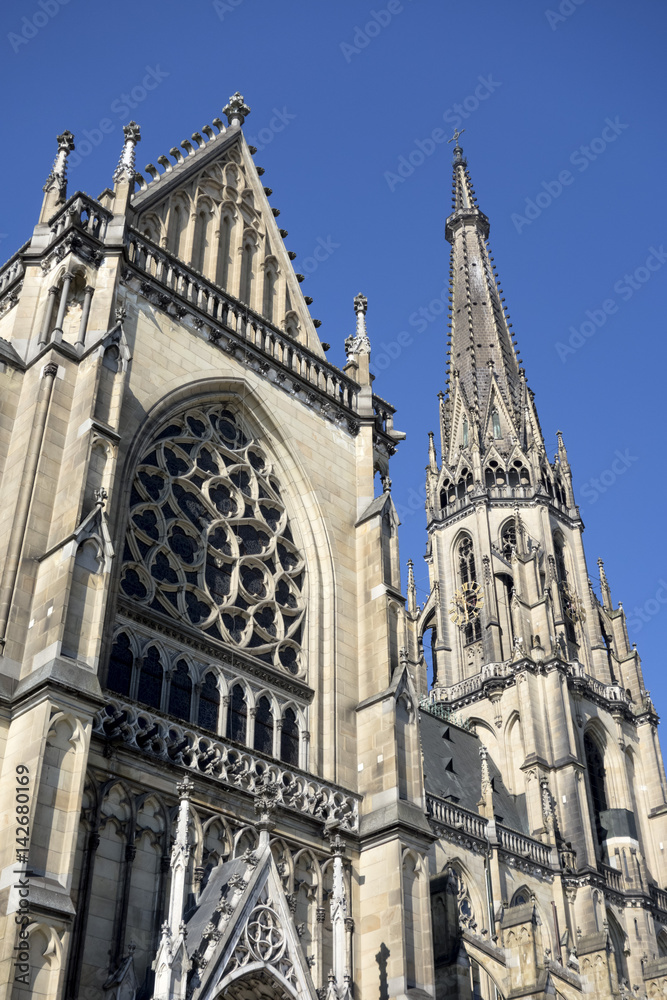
(209, 541)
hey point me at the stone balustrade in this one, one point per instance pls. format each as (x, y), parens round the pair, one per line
(148, 733)
(84, 213)
(224, 313)
(453, 816)
(521, 846)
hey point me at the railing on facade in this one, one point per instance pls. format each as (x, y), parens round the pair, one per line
(12, 269)
(83, 212)
(659, 897)
(449, 696)
(443, 712)
(470, 685)
(524, 847)
(225, 311)
(612, 876)
(510, 841)
(453, 816)
(235, 766)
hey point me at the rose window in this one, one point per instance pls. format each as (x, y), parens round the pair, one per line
(209, 542)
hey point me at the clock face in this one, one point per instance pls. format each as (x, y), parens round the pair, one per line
(572, 606)
(466, 604)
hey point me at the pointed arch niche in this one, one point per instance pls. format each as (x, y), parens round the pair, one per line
(211, 612)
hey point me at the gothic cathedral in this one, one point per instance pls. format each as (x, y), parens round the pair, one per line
(227, 770)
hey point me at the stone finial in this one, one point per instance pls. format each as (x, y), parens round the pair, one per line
(125, 169)
(412, 588)
(359, 343)
(432, 457)
(604, 587)
(58, 176)
(237, 110)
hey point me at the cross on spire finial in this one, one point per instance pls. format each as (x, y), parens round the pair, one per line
(455, 137)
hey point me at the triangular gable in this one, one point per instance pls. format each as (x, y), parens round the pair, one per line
(220, 180)
(497, 401)
(258, 940)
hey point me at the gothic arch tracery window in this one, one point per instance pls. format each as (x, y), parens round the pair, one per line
(596, 779)
(289, 738)
(467, 573)
(209, 703)
(209, 541)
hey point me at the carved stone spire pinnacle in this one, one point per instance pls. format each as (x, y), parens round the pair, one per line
(482, 353)
(125, 169)
(359, 343)
(237, 110)
(58, 176)
(412, 589)
(604, 587)
(432, 457)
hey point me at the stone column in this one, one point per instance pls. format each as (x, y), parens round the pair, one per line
(83, 325)
(64, 295)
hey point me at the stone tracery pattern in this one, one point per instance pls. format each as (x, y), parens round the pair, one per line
(209, 541)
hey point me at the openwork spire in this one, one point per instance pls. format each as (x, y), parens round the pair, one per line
(482, 354)
(58, 176)
(125, 169)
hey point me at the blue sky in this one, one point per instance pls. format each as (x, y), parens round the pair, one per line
(343, 95)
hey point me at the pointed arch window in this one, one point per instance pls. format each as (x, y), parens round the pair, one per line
(237, 719)
(495, 423)
(264, 726)
(180, 692)
(289, 738)
(467, 570)
(209, 703)
(119, 675)
(468, 574)
(465, 432)
(508, 539)
(150, 679)
(596, 779)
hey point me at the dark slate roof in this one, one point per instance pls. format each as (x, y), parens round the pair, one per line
(453, 770)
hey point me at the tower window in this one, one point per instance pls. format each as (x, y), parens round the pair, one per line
(596, 776)
(264, 726)
(495, 421)
(238, 715)
(465, 433)
(150, 679)
(120, 666)
(209, 703)
(289, 738)
(180, 692)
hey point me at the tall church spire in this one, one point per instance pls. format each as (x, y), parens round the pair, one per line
(484, 367)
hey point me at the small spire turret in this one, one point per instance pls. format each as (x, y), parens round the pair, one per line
(604, 587)
(432, 457)
(412, 589)
(55, 186)
(125, 170)
(359, 343)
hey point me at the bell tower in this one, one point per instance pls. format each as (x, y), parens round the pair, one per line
(522, 648)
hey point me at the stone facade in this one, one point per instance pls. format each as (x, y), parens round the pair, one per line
(225, 770)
